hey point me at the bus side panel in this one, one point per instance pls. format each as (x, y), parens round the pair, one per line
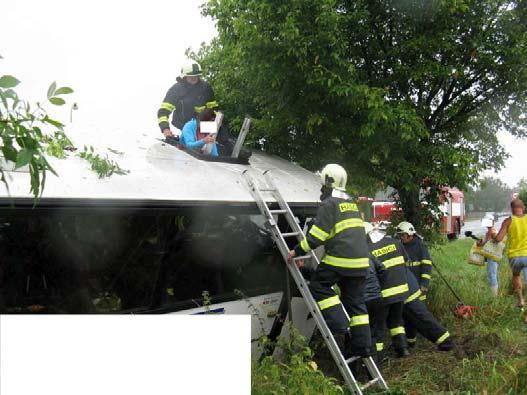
(263, 310)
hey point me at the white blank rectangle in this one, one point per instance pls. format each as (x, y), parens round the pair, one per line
(208, 127)
(125, 354)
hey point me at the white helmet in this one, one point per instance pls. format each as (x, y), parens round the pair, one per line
(406, 227)
(368, 227)
(334, 176)
(190, 68)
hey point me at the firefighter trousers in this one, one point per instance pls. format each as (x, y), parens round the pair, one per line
(395, 324)
(377, 314)
(391, 316)
(417, 318)
(351, 297)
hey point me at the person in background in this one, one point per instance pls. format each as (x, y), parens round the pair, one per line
(192, 138)
(190, 94)
(492, 266)
(515, 227)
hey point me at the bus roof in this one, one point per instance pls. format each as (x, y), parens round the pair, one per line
(160, 175)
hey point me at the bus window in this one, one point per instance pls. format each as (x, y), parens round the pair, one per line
(104, 261)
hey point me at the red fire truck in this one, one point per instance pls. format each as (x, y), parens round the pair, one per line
(452, 212)
(383, 212)
(453, 209)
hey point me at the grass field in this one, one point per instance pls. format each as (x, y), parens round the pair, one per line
(490, 355)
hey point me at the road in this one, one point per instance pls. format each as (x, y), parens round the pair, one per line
(477, 229)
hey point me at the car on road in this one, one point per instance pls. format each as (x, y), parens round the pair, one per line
(491, 214)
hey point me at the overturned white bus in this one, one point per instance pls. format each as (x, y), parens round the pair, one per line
(175, 235)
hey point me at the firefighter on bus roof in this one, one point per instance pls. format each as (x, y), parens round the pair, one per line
(189, 95)
(420, 263)
(339, 227)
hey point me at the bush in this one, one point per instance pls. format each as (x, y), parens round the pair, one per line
(297, 373)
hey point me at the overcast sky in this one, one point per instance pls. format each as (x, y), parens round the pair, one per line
(120, 57)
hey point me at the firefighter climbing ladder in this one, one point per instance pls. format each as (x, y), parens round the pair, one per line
(279, 238)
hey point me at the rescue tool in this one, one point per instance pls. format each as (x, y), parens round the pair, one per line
(280, 240)
(461, 310)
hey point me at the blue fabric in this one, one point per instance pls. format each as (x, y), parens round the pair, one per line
(188, 137)
(492, 273)
(518, 264)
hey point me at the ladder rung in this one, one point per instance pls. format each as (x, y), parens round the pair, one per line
(297, 258)
(290, 234)
(278, 211)
(369, 383)
(267, 190)
(352, 359)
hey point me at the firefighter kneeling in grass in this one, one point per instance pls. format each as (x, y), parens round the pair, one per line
(339, 227)
(394, 288)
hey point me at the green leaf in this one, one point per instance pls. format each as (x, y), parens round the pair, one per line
(11, 94)
(8, 81)
(9, 153)
(24, 157)
(35, 181)
(51, 90)
(57, 124)
(65, 90)
(56, 101)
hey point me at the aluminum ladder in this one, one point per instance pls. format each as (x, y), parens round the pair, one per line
(280, 240)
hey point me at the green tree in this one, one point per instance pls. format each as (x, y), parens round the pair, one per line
(404, 92)
(470, 204)
(23, 132)
(521, 188)
(492, 195)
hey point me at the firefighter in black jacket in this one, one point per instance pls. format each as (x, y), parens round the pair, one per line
(339, 227)
(420, 263)
(417, 318)
(394, 286)
(188, 96)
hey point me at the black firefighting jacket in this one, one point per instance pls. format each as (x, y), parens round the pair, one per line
(420, 263)
(183, 100)
(391, 255)
(339, 227)
(372, 286)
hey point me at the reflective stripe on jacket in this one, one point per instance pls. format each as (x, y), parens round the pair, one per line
(182, 99)
(339, 227)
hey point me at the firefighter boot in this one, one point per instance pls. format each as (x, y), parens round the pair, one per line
(342, 340)
(447, 345)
